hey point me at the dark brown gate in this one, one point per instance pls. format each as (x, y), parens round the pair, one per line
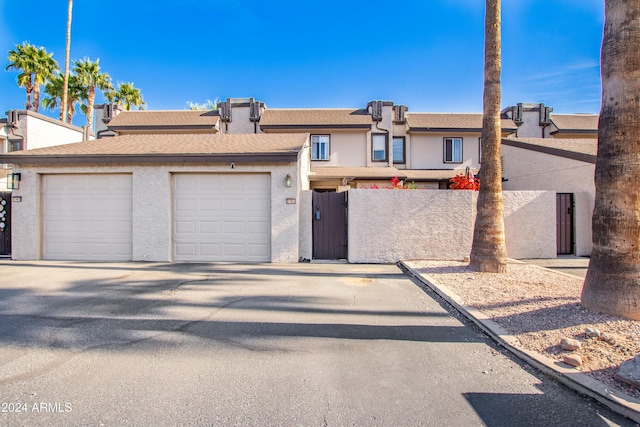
(564, 223)
(5, 224)
(329, 225)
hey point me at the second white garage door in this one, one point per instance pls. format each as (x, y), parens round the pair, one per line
(222, 217)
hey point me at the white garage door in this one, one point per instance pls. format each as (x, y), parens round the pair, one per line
(87, 217)
(222, 217)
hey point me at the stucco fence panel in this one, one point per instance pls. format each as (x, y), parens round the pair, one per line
(388, 226)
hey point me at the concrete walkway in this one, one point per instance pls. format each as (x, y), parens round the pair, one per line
(569, 264)
(228, 344)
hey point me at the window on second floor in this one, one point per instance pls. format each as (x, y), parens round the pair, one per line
(379, 147)
(453, 150)
(15, 145)
(319, 147)
(398, 150)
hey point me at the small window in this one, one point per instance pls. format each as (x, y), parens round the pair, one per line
(398, 150)
(453, 150)
(379, 147)
(319, 147)
(15, 145)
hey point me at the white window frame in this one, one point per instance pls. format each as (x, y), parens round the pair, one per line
(376, 140)
(456, 150)
(320, 145)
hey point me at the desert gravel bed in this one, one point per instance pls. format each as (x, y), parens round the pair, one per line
(540, 307)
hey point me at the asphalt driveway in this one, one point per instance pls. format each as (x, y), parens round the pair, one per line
(223, 344)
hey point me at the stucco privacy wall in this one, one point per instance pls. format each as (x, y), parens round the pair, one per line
(152, 202)
(530, 170)
(388, 226)
(530, 224)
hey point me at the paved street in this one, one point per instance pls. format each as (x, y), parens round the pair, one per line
(225, 344)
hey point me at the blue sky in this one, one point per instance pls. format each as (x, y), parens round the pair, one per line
(427, 54)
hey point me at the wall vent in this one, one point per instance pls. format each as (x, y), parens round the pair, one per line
(254, 110)
(545, 115)
(376, 110)
(518, 115)
(225, 110)
(12, 118)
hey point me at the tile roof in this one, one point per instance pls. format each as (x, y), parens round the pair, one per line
(165, 119)
(575, 122)
(334, 172)
(327, 118)
(451, 121)
(578, 149)
(172, 145)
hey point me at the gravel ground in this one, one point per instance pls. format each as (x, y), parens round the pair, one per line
(540, 307)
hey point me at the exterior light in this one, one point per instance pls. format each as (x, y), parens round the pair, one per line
(13, 181)
(287, 181)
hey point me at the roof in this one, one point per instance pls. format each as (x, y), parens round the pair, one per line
(178, 119)
(470, 122)
(333, 172)
(584, 149)
(575, 123)
(150, 148)
(331, 118)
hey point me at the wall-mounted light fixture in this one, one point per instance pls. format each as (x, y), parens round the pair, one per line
(233, 166)
(287, 180)
(13, 181)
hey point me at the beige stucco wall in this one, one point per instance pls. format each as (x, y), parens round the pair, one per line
(46, 132)
(427, 151)
(306, 225)
(152, 201)
(386, 226)
(530, 224)
(346, 149)
(530, 170)
(240, 122)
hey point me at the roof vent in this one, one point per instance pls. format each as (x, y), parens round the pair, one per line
(108, 113)
(545, 115)
(399, 113)
(12, 118)
(225, 110)
(255, 112)
(376, 110)
(517, 117)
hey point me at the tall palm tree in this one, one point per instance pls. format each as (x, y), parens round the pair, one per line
(90, 78)
(20, 59)
(53, 89)
(488, 250)
(44, 68)
(127, 96)
(65, 84)
(612, 284)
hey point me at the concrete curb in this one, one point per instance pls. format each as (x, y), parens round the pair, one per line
(617, 401)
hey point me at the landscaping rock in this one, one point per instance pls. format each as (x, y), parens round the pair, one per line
(570, 344)
(592, 332)
(629, 372)
(608, 338)
(572, 360)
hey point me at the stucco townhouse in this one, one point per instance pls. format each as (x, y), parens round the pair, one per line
(230, 184)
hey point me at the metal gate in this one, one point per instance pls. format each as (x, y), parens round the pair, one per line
(329, 225)
(564, 223)
(5, 224)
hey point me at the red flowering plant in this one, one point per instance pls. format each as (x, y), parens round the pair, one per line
(465, 182)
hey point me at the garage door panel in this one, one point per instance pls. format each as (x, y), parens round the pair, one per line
(87, 217)
(231, 213)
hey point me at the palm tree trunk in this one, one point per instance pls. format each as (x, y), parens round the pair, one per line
(612, 284)
(65, 83)
(36, 98)
(91, 98)
(488, 251)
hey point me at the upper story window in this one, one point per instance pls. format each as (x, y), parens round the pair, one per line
(398, 150)
(379, 147)
(453, 150)
(319, 147)
(15, 145)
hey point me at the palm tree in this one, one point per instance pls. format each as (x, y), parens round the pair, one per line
(44, 67)
(127, 96)
(20, 60)
(488, 250)
(65, 84)
(90, 78)
(53, 89)
(612, 284)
